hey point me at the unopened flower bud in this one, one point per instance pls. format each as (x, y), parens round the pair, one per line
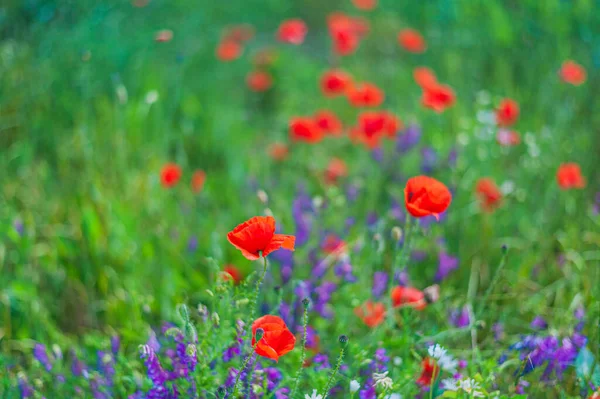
(504, 249)
(317, 202)
(306, 302)
(262, 196)
(221, 391)
(396, 233)
(259, 334)
(343, 340)
(215, 318)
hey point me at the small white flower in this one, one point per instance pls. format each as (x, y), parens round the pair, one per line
(381, 379)
(354, 386)
(151, 97)
(448, 363)
(471, 387)
(397, 361)
(314, 395)
(394, 396)
(450, 385)
(436, 351)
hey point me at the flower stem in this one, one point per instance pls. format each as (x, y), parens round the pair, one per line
(303, 355)
(257, 291)
(244, 364)
(334, 372)
(399, 259)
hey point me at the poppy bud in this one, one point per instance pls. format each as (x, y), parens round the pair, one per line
(343, 340)
(305, 302)
(396, 233)
(243, 301)
(277, 289)
(268, 212)
(504, 249)
(259, 334)
(221, 391)
(215, 318)
(262, 196)
(183, 312)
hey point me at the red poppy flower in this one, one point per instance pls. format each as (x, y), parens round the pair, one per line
(438, 97)
(332, 244)
(292, 31)
(328, 122)
(489, 194)
(335, 170)
(232, 272)
(429, 373)
(412, 41)
(392, 124)
(595, 395)
(229, 50)
(198, 179)
(335, 83)
(572, 73)
(259, 81)
(240, 33)
(371, 128)
(507, 112)
(424, 77)
(365, 5)
(424, 196)
(372, 314)
(256, 237)
(305, 129)
(508, 138)
(346, 32)
(408, 296)
(163, 36)
(170, 175)
(365, 95)
(278, 151)
(276, 341)
(569, 176)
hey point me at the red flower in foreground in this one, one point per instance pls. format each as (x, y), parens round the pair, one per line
(256, 237)
(412, 41)
(572, 73)
(507, 112)
(170, 175)
(278, 151)
(259, 81)
(335, 170)
(372, 314)
(569, 176)
(228, 50)
(276, 341)
(438, 97)
(365, 95)
(429, 373)
(508, 138)
(305, 129)
(232, 272)
(163, 36)
(424, 196)
(365, 5)
(328, 122)
(408, 296)
(346, 32)
(424, 77)
(335, 83)
(489, 194)
(292, 31)
(198, 179)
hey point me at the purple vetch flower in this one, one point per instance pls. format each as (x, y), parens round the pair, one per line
(408, 139)
(350, 221)
(418, 256)
(459, 318)
(377, 154)
(452, 157)
(41, 355)
(115, 344)
(343, 269)
(402, 278)
(372, 219)
(321, 361)
(153, 342)
(539, 323)
(321, 304)
(498, 329)
(380, 283)
(192, 244)
(155, 372)
(25, 389)
(428, 160)
(446, 264)
(19, 226)
(302, 211)
(282, 393)
(352, 192)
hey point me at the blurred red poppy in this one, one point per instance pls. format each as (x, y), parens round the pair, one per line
(305, 129)
(438, 97)
(569, 176)
(365, 5)
(372, 314)
(507, 112)
(488, 193)
(256, 237)
(424, 77)
(170, 175)
(278, 151)
(370, 129)
(332, 244)
(429, 373)
(232, 272)
(508, 138)
(259, 81)
(198, 179)
(572, 73)
(392, 124)
(276, 341)
(229, 50)
(163, 36)
(408, 296)
(424, 196)
(346, 32)
(335, 82)
(292, 31)
(240, 33)
(365, 95)
(328, 122)
(335, 170)
(412, 41)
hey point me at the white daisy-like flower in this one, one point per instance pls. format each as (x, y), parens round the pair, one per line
(436, 351)
(314, 395)
(472, 387)
(445, 361)
(450, 385)
(354, 386)
(381, 379)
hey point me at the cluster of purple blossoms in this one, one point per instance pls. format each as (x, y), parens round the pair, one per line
(257, 381)
(378, 365)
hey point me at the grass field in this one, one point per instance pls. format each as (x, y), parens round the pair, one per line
(134, 137)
